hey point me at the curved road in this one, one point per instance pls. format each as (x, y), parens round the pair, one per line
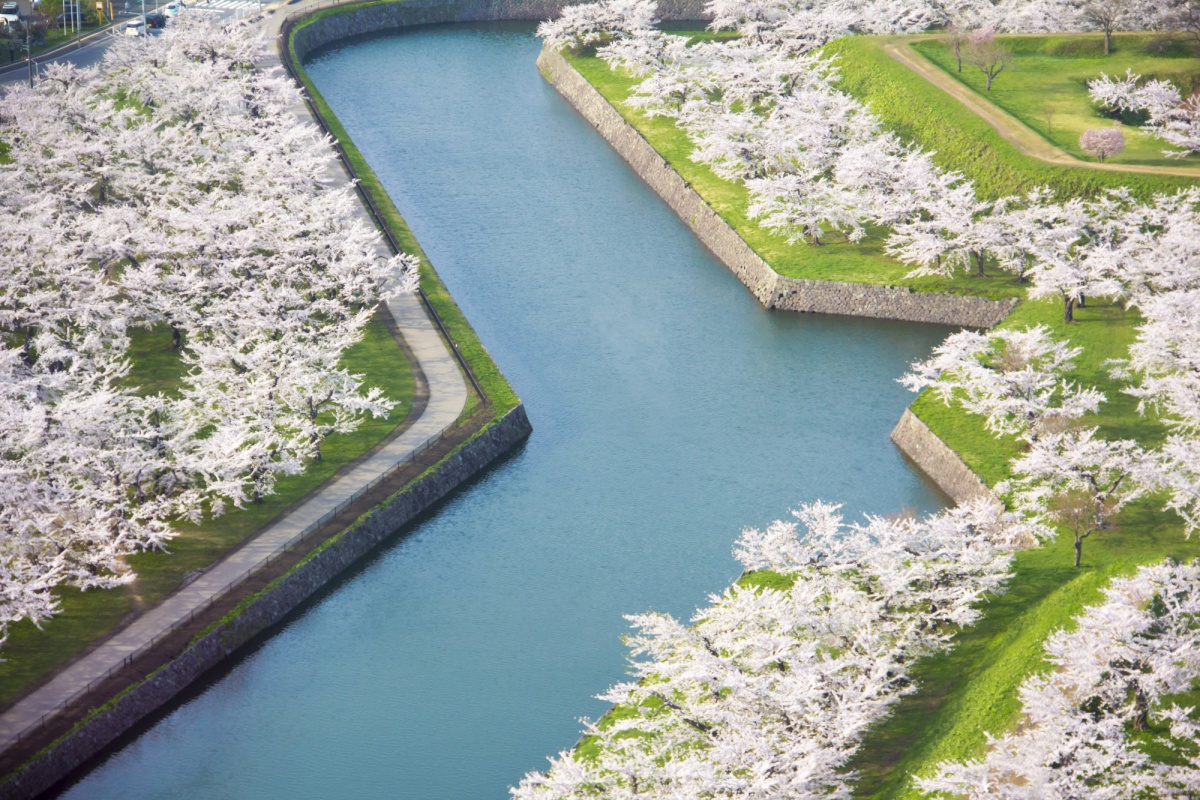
(1013, 130)
(447, 399)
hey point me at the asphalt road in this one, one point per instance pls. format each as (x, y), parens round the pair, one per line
(91, 49)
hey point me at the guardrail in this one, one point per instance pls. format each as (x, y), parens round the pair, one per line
(224, 591)
(285, 56)
(313, 527)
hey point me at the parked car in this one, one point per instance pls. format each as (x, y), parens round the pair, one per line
(10, 13)
(155, 19)
(72, 17)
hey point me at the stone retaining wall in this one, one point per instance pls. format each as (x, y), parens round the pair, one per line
(937, 460)
(772, 289)
(887, 302)
(268, 608)
(393, 16)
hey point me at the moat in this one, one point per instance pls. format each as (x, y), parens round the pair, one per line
(670, 410)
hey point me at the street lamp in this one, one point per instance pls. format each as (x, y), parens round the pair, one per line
(29, 39)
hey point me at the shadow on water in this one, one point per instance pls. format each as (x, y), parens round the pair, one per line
(669, 409)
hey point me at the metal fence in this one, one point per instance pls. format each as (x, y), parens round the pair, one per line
(305, 534)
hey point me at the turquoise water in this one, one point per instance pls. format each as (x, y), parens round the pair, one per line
(670, 410)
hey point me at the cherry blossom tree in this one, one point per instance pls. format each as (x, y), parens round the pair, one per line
(1170, 117)
(1177, 125)
(953, 231)
(1015, 379)
(1081, 480)
(1102, 143)
(768, 691)
(1115, 15)
(1166, 360)
(1129, 95)
(1099, 722)
(1086, 254)
(986, 54)
(956, 39)
(592, 24)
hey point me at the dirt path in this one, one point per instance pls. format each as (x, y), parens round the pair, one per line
(1013, 130)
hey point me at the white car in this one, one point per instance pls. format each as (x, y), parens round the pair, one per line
(135, 27)
(172, 9)
(10, 13)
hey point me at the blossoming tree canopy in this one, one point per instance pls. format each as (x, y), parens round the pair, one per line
(767, 693)
(1105, 718)
(170, 185)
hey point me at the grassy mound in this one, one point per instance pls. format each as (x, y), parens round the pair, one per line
(1054, 70)
(958, 139)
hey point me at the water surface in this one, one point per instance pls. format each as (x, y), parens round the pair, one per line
(670, 410)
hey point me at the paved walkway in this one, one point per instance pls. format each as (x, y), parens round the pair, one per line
(1008, 126)
(447, 399)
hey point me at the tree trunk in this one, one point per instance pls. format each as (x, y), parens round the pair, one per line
(176, 337)
(1078, 549)
(978, 263)
(989, 80)
(1141, 719)
(26, 356)
(1068, 307)
(1107, 41)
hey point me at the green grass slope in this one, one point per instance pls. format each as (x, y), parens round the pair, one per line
(1054, 71)
(958, 139)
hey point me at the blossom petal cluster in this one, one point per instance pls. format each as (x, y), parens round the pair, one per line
(1169, 116)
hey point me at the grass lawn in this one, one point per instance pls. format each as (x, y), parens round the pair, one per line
(31, 654)
(972, 688)
(1054, 70)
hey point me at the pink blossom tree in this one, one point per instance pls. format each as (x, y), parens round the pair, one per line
(986, 54)
(1102, 142)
